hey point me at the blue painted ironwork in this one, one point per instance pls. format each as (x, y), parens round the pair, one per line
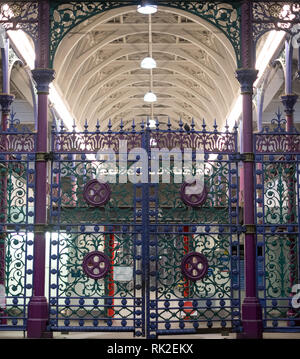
(17, 183)
(146, 229)
(277, 221)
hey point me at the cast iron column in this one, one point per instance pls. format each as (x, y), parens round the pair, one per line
(289, 99)
(289, 102)
(251, 308)
(42, 75)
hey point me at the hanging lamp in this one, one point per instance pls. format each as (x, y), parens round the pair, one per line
(146, 8)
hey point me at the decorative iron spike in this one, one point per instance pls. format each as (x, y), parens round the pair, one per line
(193, 124)
(109, 125)
(169, 124)
(62, 125)
(235, 127)
(86, 126)
(142, 124)
(157, 124)
(121, 124)
(98, 125)
(215, 125)
(203, 124)
(133, 125)
(278, 113)
(279, 122)
(180, 124)
(74, 125)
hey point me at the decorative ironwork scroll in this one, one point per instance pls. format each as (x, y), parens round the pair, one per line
(23, 15)
(65, 15)
(275, 15)
(17, 185)
(275, 140)
(17, 138)
(90, 141)
(277, 217)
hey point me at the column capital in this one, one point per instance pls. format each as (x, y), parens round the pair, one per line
(289, 102)
(5, 102)
(43, 77)
(246, 78)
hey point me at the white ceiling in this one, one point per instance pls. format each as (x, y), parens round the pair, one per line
(98, 68)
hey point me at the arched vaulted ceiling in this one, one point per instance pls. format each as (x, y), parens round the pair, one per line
(98, 68)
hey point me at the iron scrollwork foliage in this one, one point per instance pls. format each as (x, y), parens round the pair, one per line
(275, 139)
(71, 280)
(274, 15)
(278, 266)
(277, 156)
(21, 15)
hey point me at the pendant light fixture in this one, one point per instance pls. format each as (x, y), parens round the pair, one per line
(150, 64)
(146, 8)
(150, 97)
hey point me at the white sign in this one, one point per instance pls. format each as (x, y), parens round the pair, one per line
(123, 274)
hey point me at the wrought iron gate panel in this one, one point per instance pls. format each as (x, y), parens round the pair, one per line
(80, 298)
(17, 182)
(177, 304)
(277, 221)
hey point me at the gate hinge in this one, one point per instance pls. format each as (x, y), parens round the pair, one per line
(42, 228)
(249, 228)
(44, 156)
(248, 157)
(244, 157)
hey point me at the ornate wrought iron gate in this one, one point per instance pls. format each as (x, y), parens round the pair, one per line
(277, 221)
(146, 257)
(141, 256)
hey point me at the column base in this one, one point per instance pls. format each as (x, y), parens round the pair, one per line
(37, 318)
(251, 319)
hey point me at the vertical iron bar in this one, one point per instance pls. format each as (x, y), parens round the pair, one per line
(145, 236)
